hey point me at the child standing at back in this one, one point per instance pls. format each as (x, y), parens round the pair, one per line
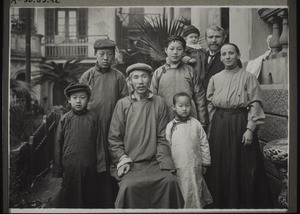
(190, 152)
(195, 55)
(175, 76)
(75, 151)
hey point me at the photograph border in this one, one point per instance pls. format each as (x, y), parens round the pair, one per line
(292, 75)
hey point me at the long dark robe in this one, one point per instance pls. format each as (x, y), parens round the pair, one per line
(147, 186)
(75, 160)
(236, 178)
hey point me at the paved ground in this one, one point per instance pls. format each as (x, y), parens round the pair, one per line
(45, 189)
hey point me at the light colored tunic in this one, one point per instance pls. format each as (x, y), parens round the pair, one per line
(167, 81)
(190, 151)
(233, 89)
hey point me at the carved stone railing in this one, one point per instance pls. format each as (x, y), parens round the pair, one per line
(59, 47)
(278, 18)
(41, 145)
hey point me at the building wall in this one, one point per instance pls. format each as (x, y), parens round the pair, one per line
(260, 32)
(249, 32)
(17, 66)
(240, 30)
(182, 12)
(152, 11)
(40, 23)
(204, 17)
(101, 23)
(17, 61)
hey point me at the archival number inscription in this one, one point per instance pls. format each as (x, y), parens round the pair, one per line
(36, 1)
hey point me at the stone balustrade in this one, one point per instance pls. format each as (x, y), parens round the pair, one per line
(278, 18)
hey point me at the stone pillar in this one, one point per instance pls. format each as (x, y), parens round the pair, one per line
(202, 18)
(170, 14)
(274, 42)
(40, 21)
(214, 16)
(240, 20)
(278, 17)
(283, 40)
(199, 19)
(196, 17)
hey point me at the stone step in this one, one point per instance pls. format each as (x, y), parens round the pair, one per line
(46, 189)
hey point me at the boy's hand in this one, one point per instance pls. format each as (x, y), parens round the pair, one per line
(204, 169)
(186, 59)
(123, 170)
(192, 61)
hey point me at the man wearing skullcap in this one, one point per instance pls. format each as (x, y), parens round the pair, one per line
(140, 152)
(108, 86)
(75, 152)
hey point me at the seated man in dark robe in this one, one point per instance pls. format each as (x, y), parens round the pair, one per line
(141, 156)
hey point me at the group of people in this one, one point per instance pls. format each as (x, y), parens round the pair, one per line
(182, 136)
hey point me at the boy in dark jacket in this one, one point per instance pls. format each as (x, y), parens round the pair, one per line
(75, 151)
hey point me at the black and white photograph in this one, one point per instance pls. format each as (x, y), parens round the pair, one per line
(134, 108)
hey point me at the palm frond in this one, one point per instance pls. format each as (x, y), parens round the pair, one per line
(54, 72)
(20, 88)
(45, 66)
